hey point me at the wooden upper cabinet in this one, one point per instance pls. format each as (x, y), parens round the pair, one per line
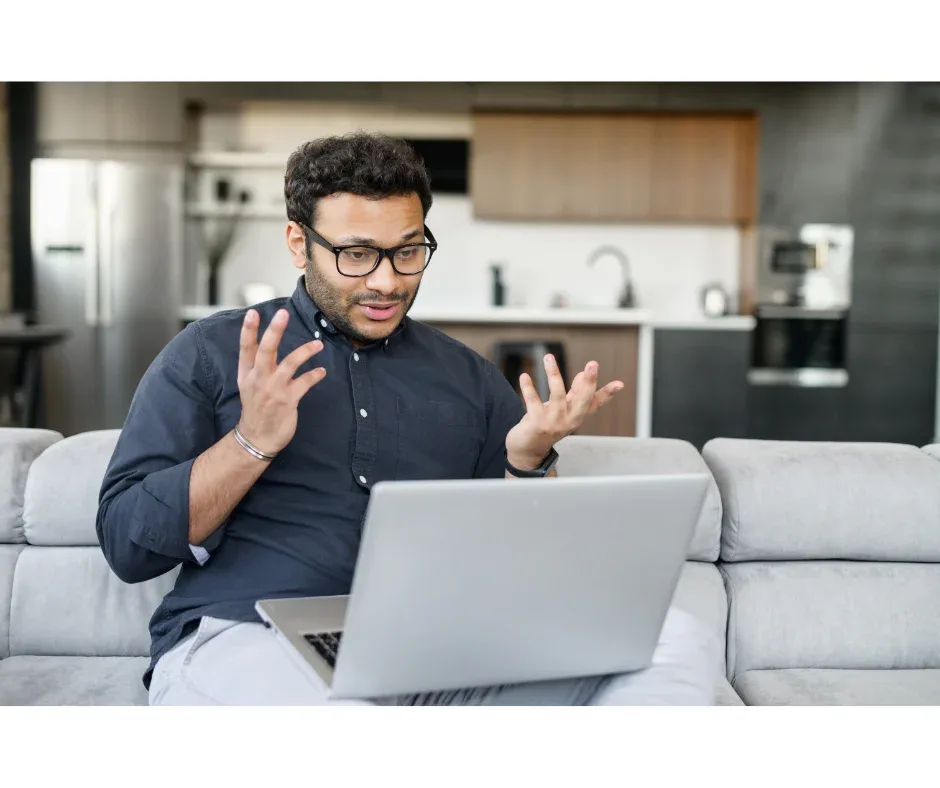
(702, 170)
(516, 170)
(614, 167)
(609, 167)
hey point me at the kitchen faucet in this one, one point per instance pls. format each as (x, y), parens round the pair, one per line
(627, 299)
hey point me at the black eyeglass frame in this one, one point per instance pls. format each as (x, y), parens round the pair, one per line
(390, 253)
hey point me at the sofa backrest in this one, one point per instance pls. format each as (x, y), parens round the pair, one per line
(831, 554)
(854, 501)
(18, 449)
(64, 599)
(583, 455)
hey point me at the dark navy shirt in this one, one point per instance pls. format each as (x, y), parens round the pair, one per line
(418, 405)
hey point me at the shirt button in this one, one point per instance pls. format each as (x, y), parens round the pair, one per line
(323, 323)
(362, 479)
(362, 412)
(356, 356)
(316, 334)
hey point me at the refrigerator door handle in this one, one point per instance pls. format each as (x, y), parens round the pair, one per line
(91, 258)
(106, 288)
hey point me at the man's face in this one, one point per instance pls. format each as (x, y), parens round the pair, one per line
(365, 308)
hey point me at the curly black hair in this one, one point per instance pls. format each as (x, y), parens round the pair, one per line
(364, 164)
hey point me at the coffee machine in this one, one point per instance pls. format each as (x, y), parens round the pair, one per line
(810, 269)
(804, 293)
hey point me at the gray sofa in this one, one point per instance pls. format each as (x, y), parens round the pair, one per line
(817, 564)
(831, 560)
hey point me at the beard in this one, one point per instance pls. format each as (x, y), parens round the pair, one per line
(336, 305)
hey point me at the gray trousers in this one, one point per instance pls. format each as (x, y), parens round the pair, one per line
(242, 664)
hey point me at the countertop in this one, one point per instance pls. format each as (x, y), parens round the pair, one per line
(545, 316)
(32, 336)
(723, 323)
(512, 314)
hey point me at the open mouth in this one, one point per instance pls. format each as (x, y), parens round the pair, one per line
(380, 311)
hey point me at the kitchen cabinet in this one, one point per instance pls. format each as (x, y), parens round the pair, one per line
(794, 413)
(700, 384)
(70, 112)
(614, 347)
(515, 172)
(75, 114)
(149, 113)
(614, 167)
(703, 169)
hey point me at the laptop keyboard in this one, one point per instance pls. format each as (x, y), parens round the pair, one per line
(326, 645)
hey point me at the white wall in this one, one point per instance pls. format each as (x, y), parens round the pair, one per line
(669, 263)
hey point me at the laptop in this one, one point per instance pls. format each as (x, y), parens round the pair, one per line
(477, 583)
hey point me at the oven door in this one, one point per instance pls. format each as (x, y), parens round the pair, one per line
(799, 347)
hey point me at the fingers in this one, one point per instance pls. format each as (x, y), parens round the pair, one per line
(606, 394)
(303, 383)
(574, 385)
(556, 384)
(248, 344)
(581, 396)
(297, 358)
(529, 394)
(266, 357)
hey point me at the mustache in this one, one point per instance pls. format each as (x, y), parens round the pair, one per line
(367, 298)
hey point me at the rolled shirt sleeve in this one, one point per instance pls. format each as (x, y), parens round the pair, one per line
(143, 511)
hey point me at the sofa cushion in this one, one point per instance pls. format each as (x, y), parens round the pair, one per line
(583, 455)
(72, 681)
(726, 696)
(933, 450)
(832, 614)
(18, 450)
(62, 489)
(802, 500)
(701, 592)
(839, 687)
(8, 556)
(67, 601)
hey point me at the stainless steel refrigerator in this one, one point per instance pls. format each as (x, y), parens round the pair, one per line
(107, 254)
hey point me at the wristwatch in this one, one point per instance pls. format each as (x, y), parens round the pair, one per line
(543, 470)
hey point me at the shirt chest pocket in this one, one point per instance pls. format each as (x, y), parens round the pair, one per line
(437, 440)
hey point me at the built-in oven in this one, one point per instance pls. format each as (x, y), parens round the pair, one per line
(804, 297)
(798, 346)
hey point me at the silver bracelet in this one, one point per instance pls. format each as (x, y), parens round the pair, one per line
(252, 450)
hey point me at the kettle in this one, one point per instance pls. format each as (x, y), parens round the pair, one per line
(715, 300)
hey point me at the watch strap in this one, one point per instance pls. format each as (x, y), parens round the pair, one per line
(543, 470)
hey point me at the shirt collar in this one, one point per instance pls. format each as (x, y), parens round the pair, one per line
(319, 324)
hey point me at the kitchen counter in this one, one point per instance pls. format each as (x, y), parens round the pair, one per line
(723, 323)
(191, 312)
(571, 316)
(592, 331)
(525, 315)
(492, 314)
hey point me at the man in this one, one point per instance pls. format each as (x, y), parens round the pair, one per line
(250, 462)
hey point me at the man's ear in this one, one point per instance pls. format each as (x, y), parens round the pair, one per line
(297, 245)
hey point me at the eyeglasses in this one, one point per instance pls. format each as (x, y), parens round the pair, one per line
(407, 259)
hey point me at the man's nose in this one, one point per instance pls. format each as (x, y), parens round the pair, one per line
(384, 278)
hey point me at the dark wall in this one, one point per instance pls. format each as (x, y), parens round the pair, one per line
(895, 207)
(867, 155)
(21, 103)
